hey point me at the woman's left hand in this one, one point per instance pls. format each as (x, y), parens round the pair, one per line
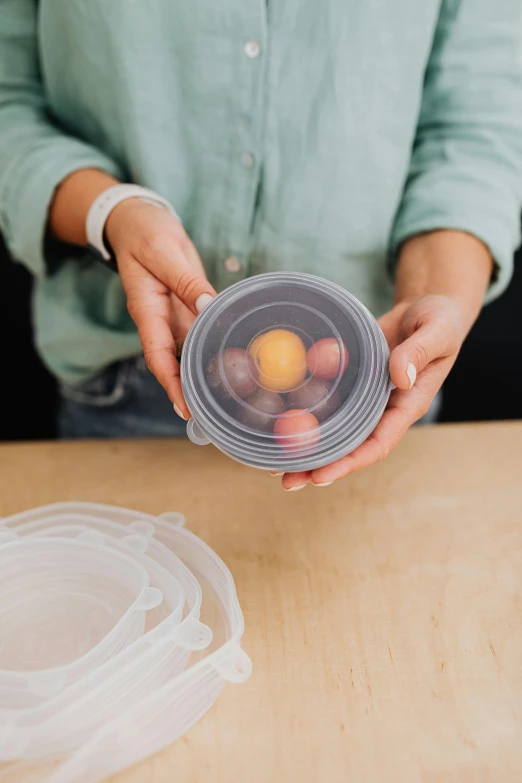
(440, 285)
(424, 338)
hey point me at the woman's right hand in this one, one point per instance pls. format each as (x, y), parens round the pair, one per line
(164, 281)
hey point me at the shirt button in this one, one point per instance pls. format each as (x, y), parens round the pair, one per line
(233, 265)
(246, 160)
(252, 49)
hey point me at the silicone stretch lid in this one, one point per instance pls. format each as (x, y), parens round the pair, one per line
(285, 372)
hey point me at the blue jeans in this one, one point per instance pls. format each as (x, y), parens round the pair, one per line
(123, 401)
(126, 401)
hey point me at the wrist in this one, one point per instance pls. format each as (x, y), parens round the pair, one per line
(450, 264)
(106, 203)
(120, 217)
(71, 203)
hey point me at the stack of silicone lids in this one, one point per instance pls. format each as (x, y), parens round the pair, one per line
(285, 372)
(117, 632)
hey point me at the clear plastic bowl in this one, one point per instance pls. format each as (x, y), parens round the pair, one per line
(65, 607)
(285, 372)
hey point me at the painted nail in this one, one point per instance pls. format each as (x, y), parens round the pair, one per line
(294, 489)
(202, 301)
(411, 372)
(181, 416)
(275, 474)
(326, 484)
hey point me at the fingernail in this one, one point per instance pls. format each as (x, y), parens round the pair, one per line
(275, 474)
(326, 484)
(411, 372)
(181, 416)
(294, 489)
(202, 301)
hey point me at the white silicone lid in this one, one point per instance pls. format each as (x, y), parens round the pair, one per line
(150, 692)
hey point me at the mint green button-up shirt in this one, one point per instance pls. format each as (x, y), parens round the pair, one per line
(311, 135)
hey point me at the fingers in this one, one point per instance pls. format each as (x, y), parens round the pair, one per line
(424, 339)
(193, 256)
(393, 425)
(404, 409)
(402, 412)
(431, 342)
(174, 262)
(389, 323)
(181, 318)
(165, 284)
(158, 241)
(295, 481)
(430, 330)
(160, 356)
(148, 302)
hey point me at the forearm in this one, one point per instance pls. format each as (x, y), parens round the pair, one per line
(446, 263)
(442, 277)
(72, 201)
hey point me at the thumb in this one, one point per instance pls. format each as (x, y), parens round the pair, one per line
(168, 261)
(409, 359)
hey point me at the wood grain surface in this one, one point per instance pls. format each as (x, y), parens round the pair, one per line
(383, 614)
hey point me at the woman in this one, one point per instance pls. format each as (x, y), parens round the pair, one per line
(321, 137)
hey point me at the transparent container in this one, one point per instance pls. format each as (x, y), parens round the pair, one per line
(137, 702)
(65, 608)
(285, 372)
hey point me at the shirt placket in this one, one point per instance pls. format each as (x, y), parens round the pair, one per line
(246, 120)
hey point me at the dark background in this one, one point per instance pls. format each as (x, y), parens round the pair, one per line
(486, 382)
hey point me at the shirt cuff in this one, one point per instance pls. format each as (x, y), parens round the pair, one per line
(462, 204)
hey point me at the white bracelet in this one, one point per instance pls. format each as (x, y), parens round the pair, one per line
(102, 207)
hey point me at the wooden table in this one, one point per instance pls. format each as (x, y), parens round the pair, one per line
(383, 614)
